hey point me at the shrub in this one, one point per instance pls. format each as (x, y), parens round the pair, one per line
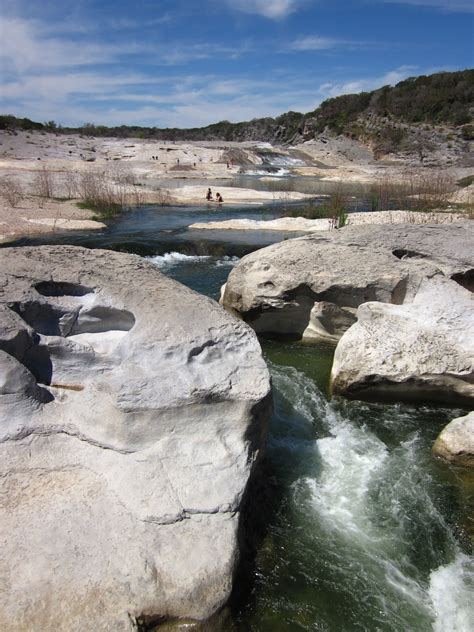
(415, 191)
(311, 210)
(107, 193)
(467, 132)
(335, 208)
(71, 185)
(43, 184)
(163, 197)
(11, 190)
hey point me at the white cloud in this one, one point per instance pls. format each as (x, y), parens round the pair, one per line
(454, 6)
(184, 53)
(179, 101)
(26, 46)
(128, 23)
(174, 101)
(315, 42)
(392, 77)
(319, 42)
(273, 9)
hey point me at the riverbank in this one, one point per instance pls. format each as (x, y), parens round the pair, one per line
(33, 216)
(175, 173)
(301, 224)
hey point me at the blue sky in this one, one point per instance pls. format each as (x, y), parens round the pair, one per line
(188, 63)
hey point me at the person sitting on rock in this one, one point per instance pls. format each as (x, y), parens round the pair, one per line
(209, 197)
(219, 198)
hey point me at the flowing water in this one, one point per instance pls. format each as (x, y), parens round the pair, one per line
(364, 530)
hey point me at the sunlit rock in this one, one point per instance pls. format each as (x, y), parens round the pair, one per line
(422, 350)
(132, 414)
(456, 441)
(311, 287)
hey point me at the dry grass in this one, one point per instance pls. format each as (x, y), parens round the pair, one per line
(109, 192)
(163, 197)
(43, 183)
(335, 208)
(11, 191)
(415, 191)
(71, 185)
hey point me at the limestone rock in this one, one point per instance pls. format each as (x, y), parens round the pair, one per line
(311, 287)
(303, 225)
(423, 350)
(132, 413)
(62, 223)
(456, 441)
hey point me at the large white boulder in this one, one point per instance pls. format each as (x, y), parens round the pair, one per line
(132, 414)
(423, 350)
(311, 287)
(455, 443)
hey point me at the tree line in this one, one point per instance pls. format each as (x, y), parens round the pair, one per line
(441, 98)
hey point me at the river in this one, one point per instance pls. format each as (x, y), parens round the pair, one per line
(362, 529)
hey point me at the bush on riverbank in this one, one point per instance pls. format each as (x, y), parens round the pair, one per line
(100, 193)
(11, 191)
(335, 207)
(421, 191)
(425, 191)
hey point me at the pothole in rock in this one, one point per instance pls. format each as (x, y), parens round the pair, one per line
(101, 318)
(402, 253)
(62, 288)
(44, 318)
(73, 334)
(465, 279)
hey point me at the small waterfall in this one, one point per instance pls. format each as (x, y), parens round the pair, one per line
(371, 534)
(275, 164)
(361, 539)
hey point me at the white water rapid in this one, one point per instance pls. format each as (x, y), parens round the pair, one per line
(371, 506)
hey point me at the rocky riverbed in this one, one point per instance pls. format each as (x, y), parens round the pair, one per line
(48, 168)
(135, 411)
(400, 296)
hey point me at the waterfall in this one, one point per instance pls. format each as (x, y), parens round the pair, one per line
(365, 509)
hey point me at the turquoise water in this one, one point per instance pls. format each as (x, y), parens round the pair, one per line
(359, 527)
(155, 230)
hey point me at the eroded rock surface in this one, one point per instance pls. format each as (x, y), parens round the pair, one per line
(311, 287)
(423, 350)
(132, 413)
(456, 441)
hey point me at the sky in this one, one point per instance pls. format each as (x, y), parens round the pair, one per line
(187, 63)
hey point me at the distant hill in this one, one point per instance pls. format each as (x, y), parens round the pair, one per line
(381, 117)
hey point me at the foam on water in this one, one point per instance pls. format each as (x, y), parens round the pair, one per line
(170, 259)
(372, 507)
(227, 261)
(452, 594)
(279, 173)
(174, 258)
(350, 459)
(285, 161)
